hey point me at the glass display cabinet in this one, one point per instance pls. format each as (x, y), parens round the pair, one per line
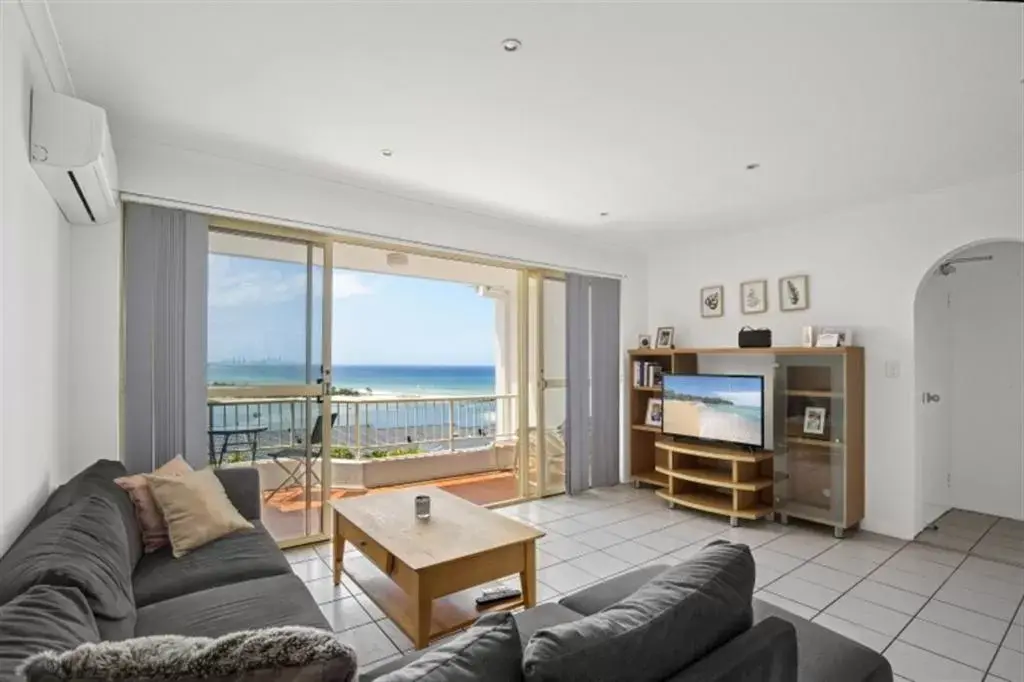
(819, 436)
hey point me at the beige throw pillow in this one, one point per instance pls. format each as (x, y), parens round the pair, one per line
(154, 530)
(196, 509)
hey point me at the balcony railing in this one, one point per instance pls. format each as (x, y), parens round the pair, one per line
(370, 426)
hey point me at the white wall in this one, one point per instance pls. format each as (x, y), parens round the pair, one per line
(218, 185)
(987, 311)
(93, 382)
(35, 291)
(865, 266)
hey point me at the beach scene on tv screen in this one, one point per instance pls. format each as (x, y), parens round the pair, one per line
(714, 407)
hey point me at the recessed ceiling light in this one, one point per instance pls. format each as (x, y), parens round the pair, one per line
(753, 166)
(386, 152)
(604, 214)
(511, 44)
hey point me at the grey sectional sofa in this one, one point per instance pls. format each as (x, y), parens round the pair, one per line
(239, 582)
(243, 581)
(778, 647)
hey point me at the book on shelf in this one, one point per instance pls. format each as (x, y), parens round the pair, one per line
(646, 374)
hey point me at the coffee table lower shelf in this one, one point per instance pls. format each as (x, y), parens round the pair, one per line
(448, 614)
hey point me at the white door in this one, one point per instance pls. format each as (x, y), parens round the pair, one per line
(933, 354)
(987, 322)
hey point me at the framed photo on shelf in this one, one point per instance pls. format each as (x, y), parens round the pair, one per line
(754, 297)
(665, 337)
(827, 340)
(814, 421)
(645, 341)
(712, 301)
(844, 337)
(794, 293)
(653, 417)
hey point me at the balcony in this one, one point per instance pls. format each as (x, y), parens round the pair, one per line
(465, 444)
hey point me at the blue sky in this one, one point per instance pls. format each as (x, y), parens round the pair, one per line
(741, 391)
(257, 311)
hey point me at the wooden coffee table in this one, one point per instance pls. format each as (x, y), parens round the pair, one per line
(425, 575)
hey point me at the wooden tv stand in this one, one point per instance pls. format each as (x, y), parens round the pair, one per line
(814, 476)
(722, 480)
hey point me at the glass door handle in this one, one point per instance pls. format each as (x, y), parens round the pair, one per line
(927, 397)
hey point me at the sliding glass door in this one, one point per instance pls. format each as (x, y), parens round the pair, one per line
(269, 372)
(543, 396)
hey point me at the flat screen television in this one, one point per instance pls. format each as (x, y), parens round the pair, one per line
(714, 407)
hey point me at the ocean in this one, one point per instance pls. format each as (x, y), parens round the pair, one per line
(421, 424)
(383, 380)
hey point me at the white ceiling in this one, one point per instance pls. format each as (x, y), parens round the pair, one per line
(649, 111)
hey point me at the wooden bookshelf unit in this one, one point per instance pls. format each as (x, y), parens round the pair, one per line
(812, 476)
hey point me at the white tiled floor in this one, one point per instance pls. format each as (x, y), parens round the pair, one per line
(934, 612)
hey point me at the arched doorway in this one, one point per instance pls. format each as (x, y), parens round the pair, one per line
(969, 363)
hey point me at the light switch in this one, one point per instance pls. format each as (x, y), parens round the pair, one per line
(892, 369)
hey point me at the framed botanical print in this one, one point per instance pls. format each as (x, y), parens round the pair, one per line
(794, 293)
(712, 301)
(754, 297)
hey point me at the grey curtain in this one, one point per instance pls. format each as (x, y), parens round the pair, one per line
(165, 270)
(592, 362)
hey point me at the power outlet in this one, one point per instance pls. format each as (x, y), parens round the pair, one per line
(892, 369)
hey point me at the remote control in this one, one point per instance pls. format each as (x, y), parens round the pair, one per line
(496, 594)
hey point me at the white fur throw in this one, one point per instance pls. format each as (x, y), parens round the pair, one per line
(173, 657)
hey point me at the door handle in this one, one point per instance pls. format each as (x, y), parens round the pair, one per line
(927, 397)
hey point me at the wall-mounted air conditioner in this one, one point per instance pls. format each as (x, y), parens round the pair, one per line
(72, 154)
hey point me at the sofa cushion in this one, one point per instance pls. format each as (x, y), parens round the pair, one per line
(489, 650)
(43, 618)
(764, 653)
(528, 622)
(233, 558)
(196, 508)
(116, 628)
(542, 616)
(147, 513)
(242, 485)
(671, 621)
(95, 480)
(261, 603)
(826, 655)
(592, 599)
(83, 546)
(289, 653)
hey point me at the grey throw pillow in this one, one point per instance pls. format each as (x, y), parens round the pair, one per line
(288, 653)
(43, 619)
(84, 545)
(672, 621)
(489, 650)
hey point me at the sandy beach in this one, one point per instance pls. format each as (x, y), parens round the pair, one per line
(698, 419)
(681, 416)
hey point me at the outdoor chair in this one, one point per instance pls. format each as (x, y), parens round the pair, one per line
(297, 453)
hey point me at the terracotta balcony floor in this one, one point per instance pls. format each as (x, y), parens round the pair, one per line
(282, 513)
